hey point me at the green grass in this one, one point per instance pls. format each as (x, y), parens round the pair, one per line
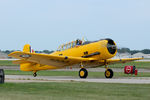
(6, 63)
(137, 64)
(74, 73)
(74, 91)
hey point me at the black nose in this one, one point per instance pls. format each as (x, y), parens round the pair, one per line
(111, 46)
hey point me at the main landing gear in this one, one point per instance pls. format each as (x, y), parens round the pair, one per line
(83, 73)
(109, 72)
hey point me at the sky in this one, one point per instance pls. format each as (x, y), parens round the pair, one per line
(46, 24)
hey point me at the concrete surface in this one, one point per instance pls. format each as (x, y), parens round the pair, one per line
(26, 78)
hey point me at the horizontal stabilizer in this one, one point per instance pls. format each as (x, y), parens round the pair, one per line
(20, 62)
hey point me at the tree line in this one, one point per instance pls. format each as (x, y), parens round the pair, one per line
(127, 50)
(120, 50)
(44, 51)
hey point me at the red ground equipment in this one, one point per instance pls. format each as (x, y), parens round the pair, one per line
(130, 70)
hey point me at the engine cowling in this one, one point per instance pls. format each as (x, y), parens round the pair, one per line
(111, 46)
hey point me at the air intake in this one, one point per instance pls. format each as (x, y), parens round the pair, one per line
(111, 46)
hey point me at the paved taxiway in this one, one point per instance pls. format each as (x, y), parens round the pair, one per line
(26, 78)
(77, 69)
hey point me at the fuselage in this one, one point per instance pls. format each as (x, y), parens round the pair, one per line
(102, 49)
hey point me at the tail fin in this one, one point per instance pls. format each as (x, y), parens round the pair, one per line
(27, 48)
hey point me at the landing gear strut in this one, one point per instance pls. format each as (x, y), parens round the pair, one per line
(109, 72)
(83, 73)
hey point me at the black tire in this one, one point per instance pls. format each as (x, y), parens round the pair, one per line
(35, 74)
(109, 73)
(2, 76)
(134, 69)
(83, 73)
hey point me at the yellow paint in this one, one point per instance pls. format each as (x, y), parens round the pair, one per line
(35, 67)
(68, 57)
(100, 46)
(27, 48)
(82, 73)
(77, 51)
(108, 73)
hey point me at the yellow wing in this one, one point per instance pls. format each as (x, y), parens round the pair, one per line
(46, 59)
(114, 61)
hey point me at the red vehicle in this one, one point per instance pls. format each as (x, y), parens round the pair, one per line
(130, 70)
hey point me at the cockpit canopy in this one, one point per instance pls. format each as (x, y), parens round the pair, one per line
(78, 42)
(69, 45)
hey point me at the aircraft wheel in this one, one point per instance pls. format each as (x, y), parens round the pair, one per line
(109, 73)
(35, 74)
(83, 73)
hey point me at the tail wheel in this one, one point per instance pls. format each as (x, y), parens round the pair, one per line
(109, 73)
(35, 74)
(83, 73)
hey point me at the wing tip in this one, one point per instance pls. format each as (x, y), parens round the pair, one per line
(12, 53)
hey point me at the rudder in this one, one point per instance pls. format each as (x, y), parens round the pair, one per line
(27, 48)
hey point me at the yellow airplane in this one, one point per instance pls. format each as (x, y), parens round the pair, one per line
(83, 54)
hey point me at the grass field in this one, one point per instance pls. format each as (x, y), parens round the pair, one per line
(73, 91)
(137, 64)
(74, 74)
(6, 63)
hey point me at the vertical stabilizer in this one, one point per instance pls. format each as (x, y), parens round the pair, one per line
(27, 48)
